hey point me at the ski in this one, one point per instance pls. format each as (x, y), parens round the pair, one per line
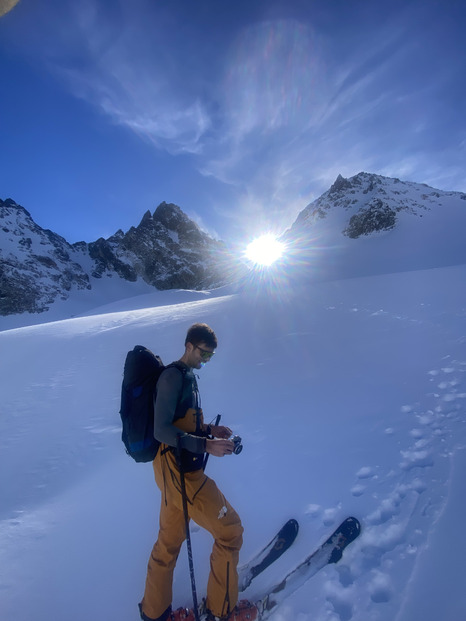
(268, 555)
(329, 552)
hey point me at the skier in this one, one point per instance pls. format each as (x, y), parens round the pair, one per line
(178, 411)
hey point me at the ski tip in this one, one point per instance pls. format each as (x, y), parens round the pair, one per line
(353, 525)
(289, 530)
(347, 532)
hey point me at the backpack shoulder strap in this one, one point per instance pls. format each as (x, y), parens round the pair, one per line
(183, 370)
(178, 365)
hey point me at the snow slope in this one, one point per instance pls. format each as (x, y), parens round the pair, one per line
(350, 398)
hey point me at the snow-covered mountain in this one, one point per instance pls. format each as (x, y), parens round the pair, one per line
(37, 266)
(361, 226)
(166, 250)
(370, 224)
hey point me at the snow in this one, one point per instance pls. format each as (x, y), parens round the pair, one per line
(350, 398)
(173, 236)
(107, 294)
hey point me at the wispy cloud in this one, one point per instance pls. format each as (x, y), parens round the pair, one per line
(288, 124)
(122, 64)
(142, 102)
(285, 110)
(296, 115)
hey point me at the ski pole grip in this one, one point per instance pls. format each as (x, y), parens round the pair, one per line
(214, 424)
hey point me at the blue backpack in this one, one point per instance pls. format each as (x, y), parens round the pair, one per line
(138, 392)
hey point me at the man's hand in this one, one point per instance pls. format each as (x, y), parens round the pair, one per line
(220, 432)
(218, 447)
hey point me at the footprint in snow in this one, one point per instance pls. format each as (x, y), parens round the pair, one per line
(358, 490)
(380, 587)
(364, 473)
(313, 511)
(330, 515)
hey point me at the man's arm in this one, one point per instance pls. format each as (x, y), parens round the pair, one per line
(168, 392)
(217, 431)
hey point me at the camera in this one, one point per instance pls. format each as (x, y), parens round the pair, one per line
(238, 446)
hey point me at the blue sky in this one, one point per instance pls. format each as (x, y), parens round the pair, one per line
(241, 112)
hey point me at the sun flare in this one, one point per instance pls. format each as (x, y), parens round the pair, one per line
(264, 250)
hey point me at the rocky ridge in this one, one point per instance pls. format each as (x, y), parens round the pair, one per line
(367, 224)
(166, 250)
(372, 203)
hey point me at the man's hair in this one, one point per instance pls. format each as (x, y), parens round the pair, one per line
(201, 333)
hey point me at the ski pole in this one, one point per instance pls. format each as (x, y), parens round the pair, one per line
(217, 420)
(188, 534)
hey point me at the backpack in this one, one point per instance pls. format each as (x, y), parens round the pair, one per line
(141, 373)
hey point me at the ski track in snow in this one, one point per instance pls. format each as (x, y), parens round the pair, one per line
(410, 499)
(406, 509)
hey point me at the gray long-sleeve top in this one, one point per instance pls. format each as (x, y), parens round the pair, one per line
(169, 387)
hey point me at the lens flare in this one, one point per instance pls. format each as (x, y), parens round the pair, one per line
(265, 250)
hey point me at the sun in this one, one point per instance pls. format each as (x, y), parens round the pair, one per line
(265, 250)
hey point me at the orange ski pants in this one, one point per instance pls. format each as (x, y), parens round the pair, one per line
(207, 507)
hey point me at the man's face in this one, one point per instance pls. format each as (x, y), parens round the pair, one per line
(199, 355)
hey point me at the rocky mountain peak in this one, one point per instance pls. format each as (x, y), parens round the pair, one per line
(146, 218)
(174, 219)
(10, 210)
(9, 202)
(169, 215)
(339, 184)
(349, 220)
(367, 182)
(166, 250)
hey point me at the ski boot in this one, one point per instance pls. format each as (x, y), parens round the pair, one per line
(243, 611)
(182, 614)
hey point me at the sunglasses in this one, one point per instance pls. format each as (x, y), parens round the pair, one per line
(205, 355)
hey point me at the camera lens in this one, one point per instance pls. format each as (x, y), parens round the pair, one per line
(238, 446)
(238, 449)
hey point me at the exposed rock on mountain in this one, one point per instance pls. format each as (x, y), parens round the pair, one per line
(377, 216)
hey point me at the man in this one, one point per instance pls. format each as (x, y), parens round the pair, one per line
(178, 411)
